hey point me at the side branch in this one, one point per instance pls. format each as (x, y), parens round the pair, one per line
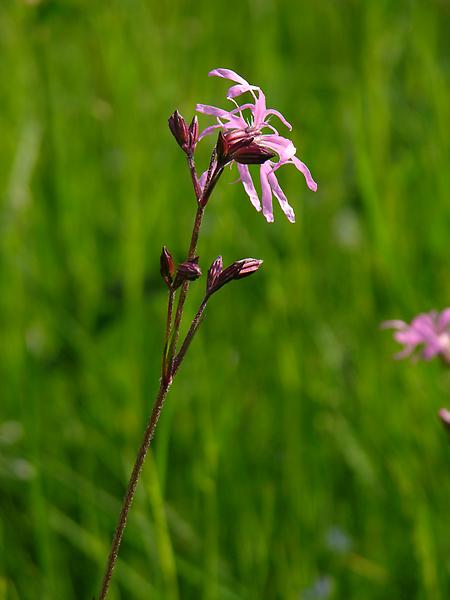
(189, 336)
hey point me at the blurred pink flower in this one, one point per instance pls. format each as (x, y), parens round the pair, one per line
(233, 121)
(429, 330)
(444, 416)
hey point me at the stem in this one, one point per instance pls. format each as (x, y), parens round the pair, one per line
(213, 178)
(168, 369)
(185, 286)
(165, 372)
(128, 499)
(195, 183)
(189, 336)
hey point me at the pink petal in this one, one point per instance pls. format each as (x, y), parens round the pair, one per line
(220, 113)
(280, 116)
(425, 326)
(409, 336)
(306, 172)
(444, 415)
(206, 109)
(266, 192)
(228, 74)
(444, 319)
(279, 194)
(237, 90)
(259, 111)
(430, 351)
(209, 130)
(394, 323)
(234, 90)
(249, 187)
(405, 352)
(283, 147)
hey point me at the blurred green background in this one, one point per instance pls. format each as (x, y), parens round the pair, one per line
(294, 458)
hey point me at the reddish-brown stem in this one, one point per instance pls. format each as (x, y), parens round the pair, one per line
(165, 370)
(128, 499)
(189, 336)
(195, 183)
(185, 286)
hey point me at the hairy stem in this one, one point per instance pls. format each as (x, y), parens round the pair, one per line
(165, 370)
(131, 488)
(167, 367)
(195, 183)
(185, 286)
(189, 336)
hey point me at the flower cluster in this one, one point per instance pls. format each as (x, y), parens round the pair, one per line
(254, 141)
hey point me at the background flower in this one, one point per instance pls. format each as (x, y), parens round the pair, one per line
(430, 330)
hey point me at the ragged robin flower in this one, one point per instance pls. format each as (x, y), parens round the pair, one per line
(260, 134)
(430, 331)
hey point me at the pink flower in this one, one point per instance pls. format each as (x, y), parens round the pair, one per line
(444, 416)
(429, 330)
(233, 121)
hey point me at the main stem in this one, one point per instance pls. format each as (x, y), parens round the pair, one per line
(185, 286)
(168, 372)
(148, 436)
(202, 199)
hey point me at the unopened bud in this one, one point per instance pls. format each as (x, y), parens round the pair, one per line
(167, 266)
(179, 129)
(214, 271)
(193, 134)
(444, 416)
(238, 270)
(187, 271)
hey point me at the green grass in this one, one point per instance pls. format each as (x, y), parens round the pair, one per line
(289, 418)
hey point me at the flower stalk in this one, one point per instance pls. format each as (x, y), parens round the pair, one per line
(237, 143)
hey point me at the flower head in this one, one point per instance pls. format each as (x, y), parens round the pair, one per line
(259, 146)
(430, 330)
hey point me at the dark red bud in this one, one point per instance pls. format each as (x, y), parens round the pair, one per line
(214, 271)
(252, 154)
(187, 271)
(238, 270)
(179, 129)
(228, 144)
(193, 134)
(167, 266)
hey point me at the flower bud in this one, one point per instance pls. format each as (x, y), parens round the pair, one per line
(238, 270)
(187, 271)
(179, 129)
(193, 134)
(214, 271)
(167, 266)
